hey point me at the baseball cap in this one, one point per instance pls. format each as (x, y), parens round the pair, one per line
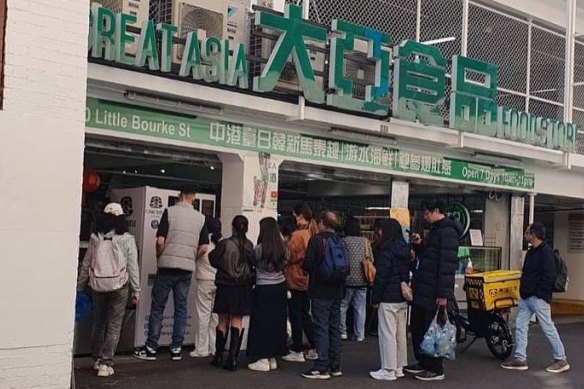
(114, 208)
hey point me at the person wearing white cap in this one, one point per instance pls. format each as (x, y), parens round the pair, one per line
(110, 268)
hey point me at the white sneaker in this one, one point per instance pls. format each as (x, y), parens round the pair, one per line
(294, 357)
(260, 365)
(105, 371)
(383, 375)
(273, 363)
(311, 355)
(399, 373)
(195, 354)
(344, 337)
(96, 365)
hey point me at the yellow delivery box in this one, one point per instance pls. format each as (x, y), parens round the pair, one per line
(492, 290)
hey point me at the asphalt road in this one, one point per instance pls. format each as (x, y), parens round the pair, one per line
(475, 368)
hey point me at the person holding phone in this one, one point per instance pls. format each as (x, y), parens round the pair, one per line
(432, 283)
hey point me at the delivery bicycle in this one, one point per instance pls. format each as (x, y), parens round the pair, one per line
(490, 297)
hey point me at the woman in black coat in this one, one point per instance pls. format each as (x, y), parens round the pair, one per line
(392, 262)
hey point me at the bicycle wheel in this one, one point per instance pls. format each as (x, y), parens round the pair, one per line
(499, 339)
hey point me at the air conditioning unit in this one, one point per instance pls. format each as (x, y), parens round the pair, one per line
(361, 70)
(138, 8)
(289, 78)
(207, 17)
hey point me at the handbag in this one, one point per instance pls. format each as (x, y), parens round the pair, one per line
(407, 292)
(440, 339)
(368, 266)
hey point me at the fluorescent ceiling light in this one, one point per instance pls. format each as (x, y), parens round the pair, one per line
(496, 159)
(377, 138)
(439, 40)
(544, 90)
(172, 103)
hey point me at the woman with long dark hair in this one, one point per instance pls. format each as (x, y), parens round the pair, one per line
(393, 268)
(110, 268)
(205, 274)
(232, 258)
(267, 329)
(297, 279)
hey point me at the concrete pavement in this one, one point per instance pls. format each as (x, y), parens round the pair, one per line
(476, 368)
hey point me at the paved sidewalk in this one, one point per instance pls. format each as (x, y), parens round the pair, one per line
(475, 368)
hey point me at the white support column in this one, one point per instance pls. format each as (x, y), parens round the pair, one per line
(464, 35)
(528, 80)
(249, 188)
(400, 193)
(516, 233)
(531, 207)
(419, 20)
(569, 67)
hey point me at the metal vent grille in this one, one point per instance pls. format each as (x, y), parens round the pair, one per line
(394, 17)
(502, 40)
(442, 19)
(547, 65)
(547, 110)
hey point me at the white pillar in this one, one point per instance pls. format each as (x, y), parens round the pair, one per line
(531, 207)
(250, 188)
(400, 193)
(516, 235)
(569, 64)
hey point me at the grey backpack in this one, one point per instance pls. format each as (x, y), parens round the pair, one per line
(108, 271)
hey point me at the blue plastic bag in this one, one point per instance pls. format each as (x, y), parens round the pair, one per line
(440, 340)
(82, 306)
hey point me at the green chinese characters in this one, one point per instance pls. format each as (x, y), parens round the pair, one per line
(473, 106)
(291, 42)
(419, 84)
(378, 51)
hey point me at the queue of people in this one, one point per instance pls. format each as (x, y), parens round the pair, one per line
(281, 279)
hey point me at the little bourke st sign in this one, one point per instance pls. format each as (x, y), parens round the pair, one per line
(418, 76)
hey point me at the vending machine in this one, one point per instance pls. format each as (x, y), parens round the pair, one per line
(143, 208)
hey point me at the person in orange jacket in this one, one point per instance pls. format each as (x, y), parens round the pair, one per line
(297, 279)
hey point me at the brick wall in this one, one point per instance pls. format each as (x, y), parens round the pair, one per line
(41, 161)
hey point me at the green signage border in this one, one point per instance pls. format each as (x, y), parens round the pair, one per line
(113, 116)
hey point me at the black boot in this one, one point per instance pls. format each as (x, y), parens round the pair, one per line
(234, 347)
(220, 340)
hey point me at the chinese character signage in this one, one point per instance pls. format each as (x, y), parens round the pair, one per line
(143, 121)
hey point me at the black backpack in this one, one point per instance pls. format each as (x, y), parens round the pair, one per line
(562, 279)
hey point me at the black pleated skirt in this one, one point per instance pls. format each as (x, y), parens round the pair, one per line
(267, 329)
(232, 300)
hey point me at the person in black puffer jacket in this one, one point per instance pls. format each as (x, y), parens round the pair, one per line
(432, 283)
(393, 268)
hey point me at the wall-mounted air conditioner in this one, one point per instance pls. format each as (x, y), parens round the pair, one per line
(138, 8)
(207, 17)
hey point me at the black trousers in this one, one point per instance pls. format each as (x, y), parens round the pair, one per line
(300, 319)
(420, 321)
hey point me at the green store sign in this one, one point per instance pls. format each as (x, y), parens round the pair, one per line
(416, 82)
(135, 120)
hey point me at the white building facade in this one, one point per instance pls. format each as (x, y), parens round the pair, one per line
(137, 92)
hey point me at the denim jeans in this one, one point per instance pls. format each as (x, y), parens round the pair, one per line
(326, 318)
(108, 315)
(357, 297)
(179, 283)
(541, 309)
